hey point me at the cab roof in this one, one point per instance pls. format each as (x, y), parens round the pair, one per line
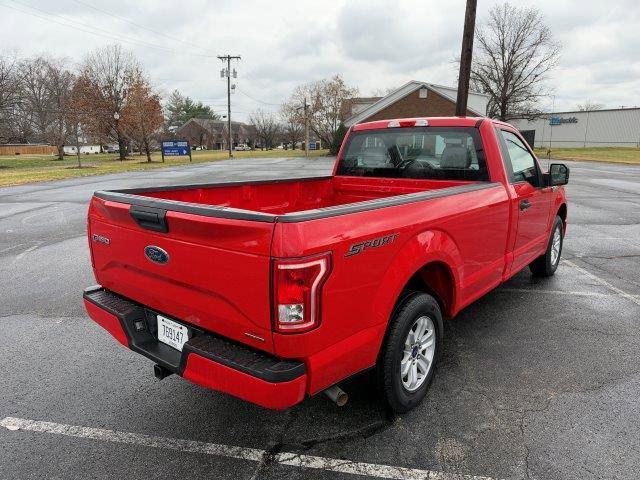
(431, 121)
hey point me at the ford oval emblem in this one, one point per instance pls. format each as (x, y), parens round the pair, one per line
(156, 254)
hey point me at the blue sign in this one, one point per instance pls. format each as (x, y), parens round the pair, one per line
(175, 148)
(562, 120)
(312, 145)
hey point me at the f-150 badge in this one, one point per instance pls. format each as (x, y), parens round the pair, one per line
(100, 239)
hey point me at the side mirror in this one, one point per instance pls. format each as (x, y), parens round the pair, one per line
(558, 174)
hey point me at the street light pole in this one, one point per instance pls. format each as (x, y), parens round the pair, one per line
(116, 117)
(228, 59)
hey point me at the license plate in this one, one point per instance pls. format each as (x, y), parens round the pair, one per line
(172, 333)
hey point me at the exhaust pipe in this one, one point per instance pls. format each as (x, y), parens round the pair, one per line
(337, 395)
(160, 372)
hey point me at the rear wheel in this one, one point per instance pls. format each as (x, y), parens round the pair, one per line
(547, 264)
(409, 355)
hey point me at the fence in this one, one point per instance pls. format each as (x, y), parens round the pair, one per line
(22, 149)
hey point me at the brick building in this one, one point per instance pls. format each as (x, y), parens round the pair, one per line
(213, 134)
(413, 99)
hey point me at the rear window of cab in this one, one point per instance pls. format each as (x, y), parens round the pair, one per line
(439, 153)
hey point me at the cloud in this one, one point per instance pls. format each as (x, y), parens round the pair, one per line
(410, 34)
(374, 43)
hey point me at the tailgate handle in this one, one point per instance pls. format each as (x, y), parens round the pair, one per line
(150, 218)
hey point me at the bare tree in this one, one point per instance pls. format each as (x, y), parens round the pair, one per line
(325, 98)
(10, 91)
(267, 127)
(142, 116)
(111, 71)
(589, 106)
(34, 105)
(514, 53)
(45, 88)
(58, 83)
(292, 129)
(383, 92)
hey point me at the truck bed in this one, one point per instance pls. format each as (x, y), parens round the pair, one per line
(278, 198)
(219, 239)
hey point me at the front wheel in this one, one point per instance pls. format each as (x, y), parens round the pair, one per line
(547, 264)
(410, 352)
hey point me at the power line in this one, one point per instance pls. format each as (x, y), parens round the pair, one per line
(47, 16)
(124, 19)
(68, 22)
(257, 100)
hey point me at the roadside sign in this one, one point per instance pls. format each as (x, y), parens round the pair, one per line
(175, 148)
(312, 145)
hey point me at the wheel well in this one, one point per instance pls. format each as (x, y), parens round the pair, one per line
(436, 279)
(562, 212)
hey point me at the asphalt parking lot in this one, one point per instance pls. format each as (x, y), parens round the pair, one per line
(540, 378)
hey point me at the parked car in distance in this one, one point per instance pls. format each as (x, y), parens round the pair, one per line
(242, 146)
(111, 149)
(276, 290)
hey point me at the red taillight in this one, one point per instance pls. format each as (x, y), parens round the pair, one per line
(297, 285)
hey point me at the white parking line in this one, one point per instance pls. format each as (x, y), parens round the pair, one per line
(242, 453)
(634, 298)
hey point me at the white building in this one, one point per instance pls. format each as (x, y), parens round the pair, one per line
(599, 128)
(84, 149)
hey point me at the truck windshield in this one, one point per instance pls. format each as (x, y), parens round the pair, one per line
(441, 153)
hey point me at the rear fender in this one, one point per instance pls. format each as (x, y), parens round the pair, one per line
(360, 351)
(426, 247)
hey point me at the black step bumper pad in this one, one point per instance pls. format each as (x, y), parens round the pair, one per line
(139, 324)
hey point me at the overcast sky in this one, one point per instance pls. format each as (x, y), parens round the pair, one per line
(373, 44)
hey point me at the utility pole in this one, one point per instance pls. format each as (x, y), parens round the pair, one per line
(306, 128)
(466, 56)
(227, 73)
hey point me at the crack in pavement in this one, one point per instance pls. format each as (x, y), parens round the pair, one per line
(274, 453)
(268, 458)
(603, 257)
(525, 412)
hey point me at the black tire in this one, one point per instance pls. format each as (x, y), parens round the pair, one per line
(411, 307)
(544, 266)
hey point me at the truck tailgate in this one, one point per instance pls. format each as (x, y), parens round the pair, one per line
(217, 275)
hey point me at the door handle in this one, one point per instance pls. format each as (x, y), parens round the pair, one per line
(524, 204)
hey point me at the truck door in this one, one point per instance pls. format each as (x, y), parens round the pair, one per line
(532, 203)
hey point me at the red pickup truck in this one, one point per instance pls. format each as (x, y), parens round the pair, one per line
(272, 291)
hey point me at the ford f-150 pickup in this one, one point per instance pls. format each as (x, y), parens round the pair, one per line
(273, 291)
